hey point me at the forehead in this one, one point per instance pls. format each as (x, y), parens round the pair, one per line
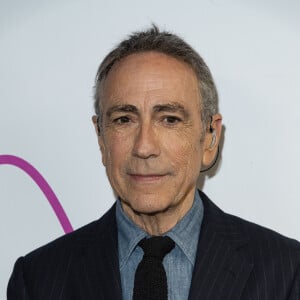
(150, 75)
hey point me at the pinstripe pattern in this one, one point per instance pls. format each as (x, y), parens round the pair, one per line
(236, 260)
(80, 265)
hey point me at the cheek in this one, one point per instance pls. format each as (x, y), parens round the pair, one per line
(116, 151)
(186, 155)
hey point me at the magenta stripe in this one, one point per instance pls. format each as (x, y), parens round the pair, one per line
(43, 185)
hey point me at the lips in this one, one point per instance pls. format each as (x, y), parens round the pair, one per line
(147, 177)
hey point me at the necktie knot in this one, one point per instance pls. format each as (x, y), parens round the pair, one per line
(150, 282)
(157, 246)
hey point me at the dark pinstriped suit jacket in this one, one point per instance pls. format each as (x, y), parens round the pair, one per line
(235, 260)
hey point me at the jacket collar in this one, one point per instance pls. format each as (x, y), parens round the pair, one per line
(221, 269)
(101, 259)
(222, 266)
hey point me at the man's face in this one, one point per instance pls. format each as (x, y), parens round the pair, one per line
(151, 134)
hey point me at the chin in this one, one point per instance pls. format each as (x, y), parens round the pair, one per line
(147, 206)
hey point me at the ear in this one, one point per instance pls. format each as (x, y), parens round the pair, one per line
(211, 140)
(100, 139)
(96, 125)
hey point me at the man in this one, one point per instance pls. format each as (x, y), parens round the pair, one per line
(158, 126)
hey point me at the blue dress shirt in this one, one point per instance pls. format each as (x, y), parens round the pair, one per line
(179, 263)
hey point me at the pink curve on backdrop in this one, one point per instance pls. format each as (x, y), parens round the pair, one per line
(43, 185)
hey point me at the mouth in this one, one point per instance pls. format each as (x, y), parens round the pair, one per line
(147, 178)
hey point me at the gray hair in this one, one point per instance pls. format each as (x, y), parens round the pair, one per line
(167, 43)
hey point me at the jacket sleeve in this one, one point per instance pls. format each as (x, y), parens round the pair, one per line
(16, 289)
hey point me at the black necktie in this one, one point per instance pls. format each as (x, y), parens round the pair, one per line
(150, 282)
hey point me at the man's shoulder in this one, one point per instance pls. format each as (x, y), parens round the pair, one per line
(63, 264)
(261, 241)
(85, 236)
(267, 244)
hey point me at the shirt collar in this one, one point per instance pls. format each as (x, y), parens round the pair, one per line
(129, 235)
(185, 233)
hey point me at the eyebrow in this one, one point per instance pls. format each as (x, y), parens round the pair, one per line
(122, 108)
(169, 107)
(172, 107)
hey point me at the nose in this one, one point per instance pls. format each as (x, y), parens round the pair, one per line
(146, 144)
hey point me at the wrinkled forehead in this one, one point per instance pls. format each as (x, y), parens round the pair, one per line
(150, 75)
(151, 60)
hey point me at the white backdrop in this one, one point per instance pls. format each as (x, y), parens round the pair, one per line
(49, 54)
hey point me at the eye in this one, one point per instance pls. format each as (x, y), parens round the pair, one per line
(170, 120)
(121, 120)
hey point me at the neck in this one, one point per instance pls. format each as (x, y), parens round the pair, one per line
(160, 222)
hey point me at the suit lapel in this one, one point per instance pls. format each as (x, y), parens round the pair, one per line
(222, 267)
(101, 264)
